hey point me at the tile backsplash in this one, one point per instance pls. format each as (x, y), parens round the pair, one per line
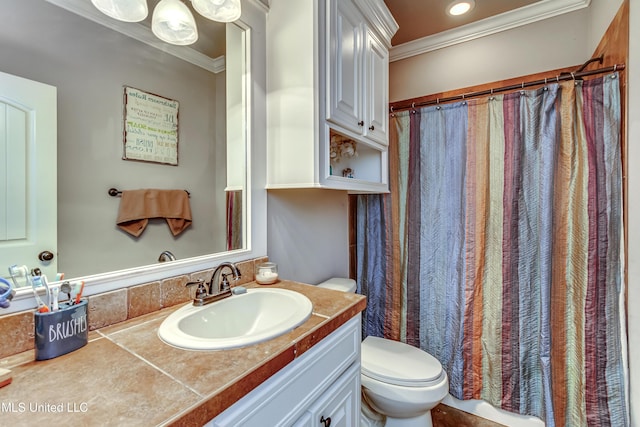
(117, 306)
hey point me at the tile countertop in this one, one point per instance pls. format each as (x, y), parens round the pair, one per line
(127, 376)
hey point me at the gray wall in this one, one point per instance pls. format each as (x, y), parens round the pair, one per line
(89, 65)
(308, 234)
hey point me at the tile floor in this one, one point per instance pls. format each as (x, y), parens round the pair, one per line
(446, 416)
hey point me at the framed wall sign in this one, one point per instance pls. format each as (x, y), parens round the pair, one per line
(150, 127)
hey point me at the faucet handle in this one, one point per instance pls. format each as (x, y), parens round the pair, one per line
(201, 292)
(224, 285)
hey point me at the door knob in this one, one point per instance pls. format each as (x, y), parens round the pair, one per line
(372, 127)
(45, 256)
(326, 422)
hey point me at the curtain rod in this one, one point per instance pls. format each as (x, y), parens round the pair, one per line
(558, 78)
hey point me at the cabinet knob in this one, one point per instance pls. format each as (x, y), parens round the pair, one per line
(361, 123)
(372, 127)
(326, 422)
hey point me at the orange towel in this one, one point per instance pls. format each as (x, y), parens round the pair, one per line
(138, 206)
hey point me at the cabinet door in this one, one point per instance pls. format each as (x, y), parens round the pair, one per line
(344, 59)
(304, 421)
(376, 94)
(339, 406)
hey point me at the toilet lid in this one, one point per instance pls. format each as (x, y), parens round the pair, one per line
(397, 363)
(339, 284)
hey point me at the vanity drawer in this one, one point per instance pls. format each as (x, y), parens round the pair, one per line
(287, 395)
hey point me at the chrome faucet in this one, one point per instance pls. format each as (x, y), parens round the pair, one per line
(205, 296)
(224, 285)
(166, 256)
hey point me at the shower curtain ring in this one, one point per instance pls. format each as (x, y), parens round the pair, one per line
(615, 67)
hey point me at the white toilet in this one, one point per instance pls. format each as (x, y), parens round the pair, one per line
(399, 381)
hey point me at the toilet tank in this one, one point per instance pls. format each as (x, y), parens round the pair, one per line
(339, 284)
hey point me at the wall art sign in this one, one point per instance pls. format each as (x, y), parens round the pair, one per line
(150, 127)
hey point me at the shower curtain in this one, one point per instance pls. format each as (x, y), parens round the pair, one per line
(234, 219)
(499, 249)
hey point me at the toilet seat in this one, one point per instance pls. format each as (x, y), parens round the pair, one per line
(397, 363)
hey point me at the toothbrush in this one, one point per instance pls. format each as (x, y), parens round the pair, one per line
(66, 288)
(42, 307)
(16, 271)
(79, 293)
(45, 283)
(54, 293)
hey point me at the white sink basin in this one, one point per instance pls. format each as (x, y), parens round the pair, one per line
(236, 321)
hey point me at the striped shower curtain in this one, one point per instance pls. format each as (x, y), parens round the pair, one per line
(499, 249)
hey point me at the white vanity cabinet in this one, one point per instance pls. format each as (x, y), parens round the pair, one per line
(327, 81)
(322, 383)
(339, 406)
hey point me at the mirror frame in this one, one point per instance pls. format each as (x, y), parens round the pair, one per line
(253, 20)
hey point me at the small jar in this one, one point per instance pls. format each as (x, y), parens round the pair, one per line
(267, 273)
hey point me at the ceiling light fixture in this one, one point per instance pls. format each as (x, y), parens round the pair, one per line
(123, 10)
(218, 10)
(460, 7)
(172, 20)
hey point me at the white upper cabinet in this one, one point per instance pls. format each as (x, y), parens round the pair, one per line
(346, 66)
(357, 87)
(376, 92)
(328, 91)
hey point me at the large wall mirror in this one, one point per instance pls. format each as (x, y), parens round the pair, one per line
(90, 64)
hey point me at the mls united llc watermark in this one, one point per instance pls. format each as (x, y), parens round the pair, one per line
(47, 407)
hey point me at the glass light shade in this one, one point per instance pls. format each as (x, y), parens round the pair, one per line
(218, 10)
(173, 23)
(460, 7)
(123, 10)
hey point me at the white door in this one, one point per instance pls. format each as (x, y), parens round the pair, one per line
(28, 177)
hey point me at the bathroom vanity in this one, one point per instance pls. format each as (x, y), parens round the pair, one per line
(322, 384)
(127, 375)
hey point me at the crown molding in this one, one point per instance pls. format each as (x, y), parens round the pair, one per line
(143, 34)
(538, 11)
(378, 14)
